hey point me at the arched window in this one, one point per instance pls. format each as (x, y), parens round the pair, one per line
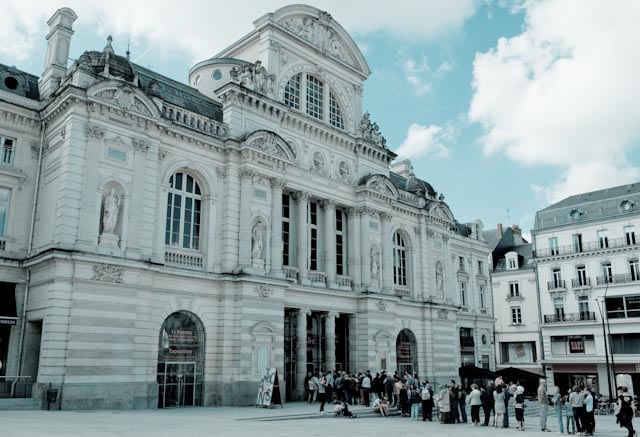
(308, 93)
(183, 212)
(399, 260)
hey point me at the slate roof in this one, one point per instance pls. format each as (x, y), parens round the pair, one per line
(19, 82)
(178, 93)
(591, 206)
(525, 258)
(411, 184)
(510, 241)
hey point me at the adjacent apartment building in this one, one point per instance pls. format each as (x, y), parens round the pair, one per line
(586, 253)
(163, 243)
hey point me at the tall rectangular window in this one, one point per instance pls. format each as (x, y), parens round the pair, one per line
(480, 268)
(286, 228)
(556, 275)
(5, 197)
(553, 245)
(292, 92)
(482, 296)
(603, 240)
(7, 152)
(558, 304)
(581, 272)
(634, 269)
(583, 307)
(512, 263)
(313, 236)
(577, 242)
(340, 266)
(463, 294)
(516, 315)
(607, 272)
(315, 97)
(514, 289)
(335, 115)
(461, 263)
(630, 235)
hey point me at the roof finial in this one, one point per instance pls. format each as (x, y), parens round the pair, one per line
(108, 47)
(128, 49)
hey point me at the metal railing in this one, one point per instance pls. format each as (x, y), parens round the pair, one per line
(591, 246)
(20, 386)
(582, 316)
(467, 342)
(621, 278)
(560, 284)
(581, 282)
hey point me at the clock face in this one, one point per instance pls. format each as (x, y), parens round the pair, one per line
(626, 206)
(576, 215)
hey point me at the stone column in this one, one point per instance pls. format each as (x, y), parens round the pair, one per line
(365, 248)
(301, 354)
(330, 340)
(303, 255)
(387, 255)
(353, 247)
(246, 188)
(330, 241)
(276, 226)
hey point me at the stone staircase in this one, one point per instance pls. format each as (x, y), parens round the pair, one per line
(7, 404)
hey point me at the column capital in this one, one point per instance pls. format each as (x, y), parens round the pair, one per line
(303, 312)
(328, 204)
(247, 173)
(333, 314)
(365, 210)
(351, 211)
(301, 195)
(386, 217)
(278, 182)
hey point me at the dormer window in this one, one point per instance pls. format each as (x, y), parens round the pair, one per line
(512, 261)
(307, 93)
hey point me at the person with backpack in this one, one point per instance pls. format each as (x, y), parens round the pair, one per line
(414, 401)
(475, 400)
(426, 395)
(518, 406)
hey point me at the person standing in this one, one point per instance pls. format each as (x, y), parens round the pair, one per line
(475, 400)
(414, 400)
(389, 387)
(366, 388)
(507, 395)
(626, 410)
(454, 416)
(558, 406)
(444, 403)
(577, 403)
(518, 406)
(543, 403)
(568, 411)
(488, 403)
(499, 407)
(589, 420)
(462, 403)
(308, 392)
(322, 393)
(330, 384)
(427, 401)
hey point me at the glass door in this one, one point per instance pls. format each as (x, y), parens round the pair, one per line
(177, 383)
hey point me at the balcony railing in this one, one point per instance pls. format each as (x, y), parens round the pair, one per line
(402, 291)
(513, 296)
(623, 278)
(317, 278)
(290, 272)
(343, 282)
(194, 121)
(467, 342)
(558, 285)
(581, 282)
(183, 258)
(591, 246)
(582, 316)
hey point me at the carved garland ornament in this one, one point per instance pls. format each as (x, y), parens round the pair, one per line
(108, 273)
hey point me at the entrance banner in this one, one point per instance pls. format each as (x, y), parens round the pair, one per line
(8, 320)
(269, 389)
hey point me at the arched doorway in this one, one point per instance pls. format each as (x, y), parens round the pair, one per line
(406, 352)
(180, 361)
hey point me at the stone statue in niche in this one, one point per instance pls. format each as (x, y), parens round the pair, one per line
(439, 277)
(256, 242)
(375, 264)
(111, 210)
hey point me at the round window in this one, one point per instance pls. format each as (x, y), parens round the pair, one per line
(484, 339)
(11, 82)
(216, 75)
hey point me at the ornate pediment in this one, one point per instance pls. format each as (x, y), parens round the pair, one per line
(263, 146)
(125, 97)
(379, 185)
(441, 214)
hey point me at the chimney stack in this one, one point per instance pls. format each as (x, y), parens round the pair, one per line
(499, 230)
(58, 43)
(516, 229)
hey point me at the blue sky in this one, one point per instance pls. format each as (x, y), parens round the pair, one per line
(502, 106)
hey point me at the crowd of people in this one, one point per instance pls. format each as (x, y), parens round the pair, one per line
(417, 399)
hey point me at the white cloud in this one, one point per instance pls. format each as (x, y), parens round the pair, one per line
(565, 93)
(201, 28)
(420, 74)
(423, 140)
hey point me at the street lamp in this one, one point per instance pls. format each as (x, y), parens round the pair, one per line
(606, 353)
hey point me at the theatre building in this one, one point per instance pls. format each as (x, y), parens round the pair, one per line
(163, 243)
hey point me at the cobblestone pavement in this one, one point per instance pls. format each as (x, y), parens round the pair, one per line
(295, 419)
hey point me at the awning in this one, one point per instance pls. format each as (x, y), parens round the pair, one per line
(515, 374)
(8, 314)
(473, 372)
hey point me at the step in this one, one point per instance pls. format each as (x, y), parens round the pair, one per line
(19, 404)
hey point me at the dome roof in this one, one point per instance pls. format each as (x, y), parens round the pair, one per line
(118, 66)
(419, 187)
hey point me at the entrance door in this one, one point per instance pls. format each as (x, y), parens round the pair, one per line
(177, 383)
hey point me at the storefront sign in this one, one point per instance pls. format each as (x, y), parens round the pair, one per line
(8, 320)
(576, 345)
(269, 389)
(404, 353)
(183, 345)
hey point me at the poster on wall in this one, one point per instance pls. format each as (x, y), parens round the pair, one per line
(269, 389)
(520, 353)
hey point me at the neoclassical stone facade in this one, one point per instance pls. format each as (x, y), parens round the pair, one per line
(172, 241)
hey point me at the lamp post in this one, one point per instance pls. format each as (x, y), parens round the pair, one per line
(606, 353)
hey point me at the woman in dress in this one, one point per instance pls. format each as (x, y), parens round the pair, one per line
(625, 410)
(499, 407)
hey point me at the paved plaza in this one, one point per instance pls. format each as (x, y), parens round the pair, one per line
(295, 419)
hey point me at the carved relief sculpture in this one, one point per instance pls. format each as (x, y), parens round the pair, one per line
(254, 77)
(371, 131)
